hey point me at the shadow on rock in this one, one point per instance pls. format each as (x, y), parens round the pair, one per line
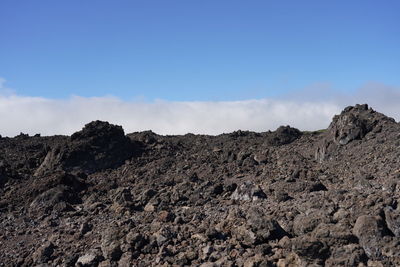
(99, 145)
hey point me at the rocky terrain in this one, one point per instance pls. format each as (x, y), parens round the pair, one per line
(282, 198)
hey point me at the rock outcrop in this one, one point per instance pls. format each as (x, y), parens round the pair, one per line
(354, 123)
(99, 145)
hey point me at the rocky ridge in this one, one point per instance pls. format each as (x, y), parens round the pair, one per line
(282, 198)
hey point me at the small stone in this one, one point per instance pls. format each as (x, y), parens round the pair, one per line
(161, 239)
(85, 227)
(260, 158)
(248, 192)
(135, 240)
(284, 242)
(149, 207)
(91, 258)
(125, 260)
(207, 250)
(165, 216)
(43, 253)
(106, 263)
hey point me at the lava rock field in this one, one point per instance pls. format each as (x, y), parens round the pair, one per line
(284, 198)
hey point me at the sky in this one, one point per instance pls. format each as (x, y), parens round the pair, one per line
(194, 66)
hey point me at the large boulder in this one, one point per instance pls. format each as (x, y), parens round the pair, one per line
(99, 145)
(57, 199)
(307, 222)
(283, 135)
(353, 123)
(44, 253)
(369, 231)
(90, 258)
(348, 255)
(111, 243)
(393, 220)
(257, 228)
(310, 248)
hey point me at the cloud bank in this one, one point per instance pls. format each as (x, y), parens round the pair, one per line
(306, 111)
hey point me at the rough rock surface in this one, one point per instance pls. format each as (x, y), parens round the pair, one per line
(99, 145)
(282, 198)
(354, 123)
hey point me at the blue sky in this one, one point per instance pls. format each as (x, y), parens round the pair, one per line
(196, 50)
(194, 66)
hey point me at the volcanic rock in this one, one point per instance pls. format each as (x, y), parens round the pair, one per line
(283, 135)
(111, 243)
(348, 255)
(43, 253)
(90, 259)
(248, 192)
(369, 230)
(310, 248)
(103, 198)
(393, 220)
(99, 145)
(354, 123)
(54, 199)
(3, 176)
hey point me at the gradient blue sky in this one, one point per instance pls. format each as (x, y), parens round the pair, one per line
(196, 50)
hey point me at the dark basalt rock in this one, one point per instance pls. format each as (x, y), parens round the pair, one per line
(3, 176)
(349, 255)
(393, 220)
(57, 199)
(283, 135)
(310, 248)
(44, 253)
(99, 145)
(354, 123)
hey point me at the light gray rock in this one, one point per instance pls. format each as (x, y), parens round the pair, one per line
(248, 192)
(90, 259)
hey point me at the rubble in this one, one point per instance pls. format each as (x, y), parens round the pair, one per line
(281, 198)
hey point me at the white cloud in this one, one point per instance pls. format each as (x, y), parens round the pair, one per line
(49, 116)
(381, 97)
